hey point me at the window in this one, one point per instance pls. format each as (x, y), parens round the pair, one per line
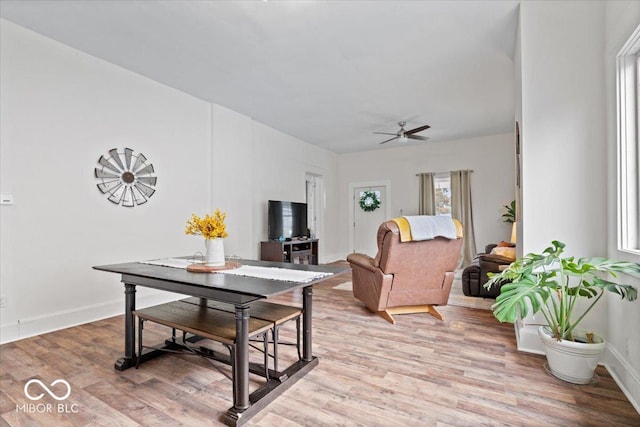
(442, 187)
(628, 79)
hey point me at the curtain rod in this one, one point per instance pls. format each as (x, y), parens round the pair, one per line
(437, 173)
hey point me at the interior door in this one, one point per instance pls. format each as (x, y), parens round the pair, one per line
(314, 192)
(366, 223)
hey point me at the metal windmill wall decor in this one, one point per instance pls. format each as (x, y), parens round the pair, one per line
(126, 177)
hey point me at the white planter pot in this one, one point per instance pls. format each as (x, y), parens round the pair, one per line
(574, 362)
(214, 252)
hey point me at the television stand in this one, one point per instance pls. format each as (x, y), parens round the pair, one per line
(293, 251)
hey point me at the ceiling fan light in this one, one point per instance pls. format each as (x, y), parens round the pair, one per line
(403, 136)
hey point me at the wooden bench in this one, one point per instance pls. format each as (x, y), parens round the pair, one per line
(271, 312)
(203, 321)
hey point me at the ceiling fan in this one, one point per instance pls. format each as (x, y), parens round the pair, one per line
(405, 135)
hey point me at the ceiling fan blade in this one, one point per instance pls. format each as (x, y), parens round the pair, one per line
(416, 130)
(390, 139)
(421, 138)
(386, 133)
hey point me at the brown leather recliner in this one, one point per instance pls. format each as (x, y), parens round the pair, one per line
(405, 277)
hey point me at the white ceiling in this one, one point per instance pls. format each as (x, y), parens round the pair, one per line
(327, 72)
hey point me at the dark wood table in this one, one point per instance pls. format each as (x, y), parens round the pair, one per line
(239, 291)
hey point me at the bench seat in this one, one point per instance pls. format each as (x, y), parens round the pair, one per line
(216, 325)
(269, 311)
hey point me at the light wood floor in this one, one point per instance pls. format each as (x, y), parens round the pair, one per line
(463, 371)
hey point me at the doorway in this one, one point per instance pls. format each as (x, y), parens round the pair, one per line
(365, 223)
(314, 184)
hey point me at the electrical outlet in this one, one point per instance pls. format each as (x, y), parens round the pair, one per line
(3, 301)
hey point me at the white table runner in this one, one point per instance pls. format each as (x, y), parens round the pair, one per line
(170, 262)
(271, 273)
(275, 273)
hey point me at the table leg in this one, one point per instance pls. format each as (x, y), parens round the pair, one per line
(247, 405)
(129, 358)
(241, 359)
(307, 351)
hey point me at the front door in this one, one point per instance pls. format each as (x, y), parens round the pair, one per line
(366, 223)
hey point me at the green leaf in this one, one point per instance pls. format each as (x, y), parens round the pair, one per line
(516, 296)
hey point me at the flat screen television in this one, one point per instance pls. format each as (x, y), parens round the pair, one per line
(287, 219)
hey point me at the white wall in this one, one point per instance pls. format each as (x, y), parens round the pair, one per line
(491, 158)
(623, 356)
(61, 110)
(232, 178)
(564, 180)
(563, 129)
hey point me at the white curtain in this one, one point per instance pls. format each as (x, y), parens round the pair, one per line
(461, 209)
(427, 200)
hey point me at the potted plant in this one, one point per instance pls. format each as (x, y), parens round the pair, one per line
(213, 229)
(553, 285)
(510, 218)
(510, 213)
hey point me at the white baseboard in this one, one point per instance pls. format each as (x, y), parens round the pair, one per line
(624, 375)
(50, 322)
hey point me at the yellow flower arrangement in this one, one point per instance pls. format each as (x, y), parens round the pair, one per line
(209, 227)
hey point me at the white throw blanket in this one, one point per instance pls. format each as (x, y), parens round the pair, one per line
(427, 227)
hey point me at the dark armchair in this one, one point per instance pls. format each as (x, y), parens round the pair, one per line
(475, 276)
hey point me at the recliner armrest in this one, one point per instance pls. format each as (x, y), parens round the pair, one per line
(362, 260)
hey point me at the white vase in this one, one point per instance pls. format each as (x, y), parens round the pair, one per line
(214, 252)
(574, 362)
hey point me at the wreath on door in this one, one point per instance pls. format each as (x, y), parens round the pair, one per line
(369, 201)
